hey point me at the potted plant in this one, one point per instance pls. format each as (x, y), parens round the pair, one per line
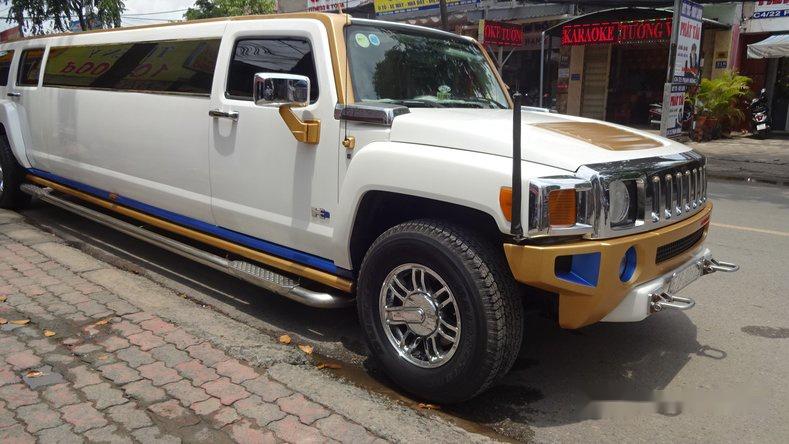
(717, 103)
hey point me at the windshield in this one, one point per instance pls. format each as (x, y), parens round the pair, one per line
(420, 69)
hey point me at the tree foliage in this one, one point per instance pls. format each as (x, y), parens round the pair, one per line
(719, 97)
(226, 8)
(36, 16)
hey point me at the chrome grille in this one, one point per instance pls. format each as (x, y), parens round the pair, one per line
(669, 189)
(676, 193)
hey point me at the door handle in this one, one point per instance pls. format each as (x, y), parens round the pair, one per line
(14, 94)
(232, 115)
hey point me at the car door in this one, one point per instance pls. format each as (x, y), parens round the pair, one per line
(265, 183)
(23, 90)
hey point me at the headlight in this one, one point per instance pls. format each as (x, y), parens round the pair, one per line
(619, 202)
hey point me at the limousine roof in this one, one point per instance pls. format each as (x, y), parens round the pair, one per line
(329, 19)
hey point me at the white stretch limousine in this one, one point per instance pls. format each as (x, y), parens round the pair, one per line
(333, 160)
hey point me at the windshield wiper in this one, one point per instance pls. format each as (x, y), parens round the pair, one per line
(491, 102)
(412, 102)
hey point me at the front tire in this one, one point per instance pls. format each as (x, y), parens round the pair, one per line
(12, 175)
(439, 309)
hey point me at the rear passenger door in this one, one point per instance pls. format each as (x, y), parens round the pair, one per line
(264, 182)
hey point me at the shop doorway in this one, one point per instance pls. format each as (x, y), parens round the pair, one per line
(638, 72)
(780, 105)
(597, 60)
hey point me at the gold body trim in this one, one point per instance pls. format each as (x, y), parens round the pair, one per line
(581, 305)
(282, 264)
(602, 135)
(305, 131)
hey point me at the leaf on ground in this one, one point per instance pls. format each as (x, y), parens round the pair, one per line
(285, 339)
(330, 365)
(425, 406)
(101, 322)
(20, 321)
(306, 348)
(49, 333)
(3, 298)
(34, 374)
(3, 321)
(103, 357)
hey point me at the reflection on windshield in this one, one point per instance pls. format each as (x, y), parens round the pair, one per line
(420, 69)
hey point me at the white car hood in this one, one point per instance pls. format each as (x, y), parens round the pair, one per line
(490, 131)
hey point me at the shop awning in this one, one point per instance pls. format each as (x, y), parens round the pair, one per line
(771, 47)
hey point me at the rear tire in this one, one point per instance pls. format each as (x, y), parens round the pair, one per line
(440, 310)
(12, 175)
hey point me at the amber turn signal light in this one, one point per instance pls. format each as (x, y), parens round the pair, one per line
(505, 201)
(561, 208)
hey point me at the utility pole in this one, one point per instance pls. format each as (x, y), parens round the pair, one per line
(444, 15)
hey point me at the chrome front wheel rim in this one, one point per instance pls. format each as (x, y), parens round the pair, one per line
(420, 315)
(2, 180)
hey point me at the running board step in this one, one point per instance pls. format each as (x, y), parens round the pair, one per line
(252, 273)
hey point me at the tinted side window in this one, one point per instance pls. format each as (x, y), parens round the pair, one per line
(275, 55)
(183, 66)
(30, 67)
(5, 66)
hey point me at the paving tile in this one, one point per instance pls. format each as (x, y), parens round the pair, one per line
(245, 431)
(152, 435)
(170, 355)
(17, 395)
(339, 428)
(206, 353)
(81, 376)
(113, 343)
(108, 434)
(41, 377)
(173, 412)
(126, 328)
(16, 434)
(225, 390)
(23, 360)
(104, 395)
(158, 373)
(157, 326)
(119, 373)
(206, 407)
(307, 411)
(181, 339)
(63, 434)
(144, 391)
(235, 370)
(134, 356)
(267, 389)
(263, 413)
(83, 417)
(129, 415)
(38, 416)
(196, 372)
(146, 340)
(60, 395)
(292, 430)
(185, 392)
(8, 376)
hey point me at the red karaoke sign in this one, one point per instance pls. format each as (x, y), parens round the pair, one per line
(617, 32)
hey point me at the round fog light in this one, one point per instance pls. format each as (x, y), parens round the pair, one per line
(628, 265)
(618, 201)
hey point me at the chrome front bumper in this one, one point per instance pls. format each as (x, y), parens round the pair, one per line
(654, 296)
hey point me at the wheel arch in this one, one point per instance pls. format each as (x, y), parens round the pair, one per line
(11, 127)
(380, 210)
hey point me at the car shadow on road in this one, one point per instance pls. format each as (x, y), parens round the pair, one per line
(559, 372)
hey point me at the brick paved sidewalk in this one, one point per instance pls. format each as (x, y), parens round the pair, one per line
(79, 363)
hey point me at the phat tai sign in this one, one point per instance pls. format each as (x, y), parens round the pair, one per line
(501, 34)
(637, 31)
(687, 64)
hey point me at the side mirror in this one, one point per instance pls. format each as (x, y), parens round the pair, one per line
(274, 89)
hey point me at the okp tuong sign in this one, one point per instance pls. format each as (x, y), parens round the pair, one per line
(687, 63)
(633, 31)
(501, 34)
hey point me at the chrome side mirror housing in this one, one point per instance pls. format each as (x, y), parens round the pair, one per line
(275, 90)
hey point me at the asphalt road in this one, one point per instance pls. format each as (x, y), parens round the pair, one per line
(717, 373)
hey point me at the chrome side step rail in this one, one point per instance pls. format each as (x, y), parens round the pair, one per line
(252, 273)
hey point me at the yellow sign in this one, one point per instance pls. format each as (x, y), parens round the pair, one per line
(383, 7)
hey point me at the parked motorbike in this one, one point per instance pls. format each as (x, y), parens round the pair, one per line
(760, 115)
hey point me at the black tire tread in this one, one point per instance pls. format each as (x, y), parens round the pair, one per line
(12, 197)
(487, 266)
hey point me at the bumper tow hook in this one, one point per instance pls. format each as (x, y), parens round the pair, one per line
(664, 299)
(711, 266)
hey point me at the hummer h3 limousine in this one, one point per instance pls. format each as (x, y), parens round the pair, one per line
(334, 161)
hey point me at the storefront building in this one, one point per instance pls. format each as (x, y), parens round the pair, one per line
(613, 62)
(765, 19)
